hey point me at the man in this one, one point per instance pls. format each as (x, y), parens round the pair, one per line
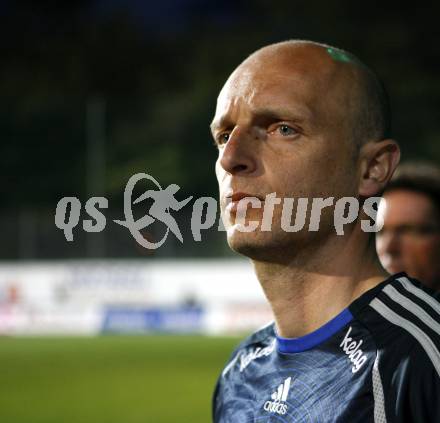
(410, 238)
(306, 120)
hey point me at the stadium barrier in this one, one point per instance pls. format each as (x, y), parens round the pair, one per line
(130, 296)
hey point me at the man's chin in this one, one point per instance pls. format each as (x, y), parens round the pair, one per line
(395, 268)
(256, 245)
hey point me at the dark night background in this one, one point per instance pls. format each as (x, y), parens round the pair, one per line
(153, 71)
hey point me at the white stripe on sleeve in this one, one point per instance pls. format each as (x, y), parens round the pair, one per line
(411, 306)
(424, 340)
(435, 305)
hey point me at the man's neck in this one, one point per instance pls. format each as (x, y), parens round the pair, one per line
(303, 298)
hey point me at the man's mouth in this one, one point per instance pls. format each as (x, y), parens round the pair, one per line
(251, 200)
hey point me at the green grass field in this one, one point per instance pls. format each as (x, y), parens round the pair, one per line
(110, 379)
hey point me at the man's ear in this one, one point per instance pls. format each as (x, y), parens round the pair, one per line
(378, 160)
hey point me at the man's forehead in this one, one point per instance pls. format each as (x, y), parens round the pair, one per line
(249, 86)
(407, 205)
(270, 100)
(283, 92)
(257, 87)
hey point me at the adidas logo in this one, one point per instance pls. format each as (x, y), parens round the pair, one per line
(278, 398)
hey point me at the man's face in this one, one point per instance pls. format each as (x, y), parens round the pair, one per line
(281, 127)
(410, 238)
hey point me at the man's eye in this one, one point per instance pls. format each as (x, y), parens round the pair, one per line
(223, 138)
(286, 130)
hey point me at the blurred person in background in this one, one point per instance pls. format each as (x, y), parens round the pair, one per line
(410, 238)
(349, 343)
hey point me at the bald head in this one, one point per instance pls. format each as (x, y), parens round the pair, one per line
(289, 121)
(357, 95)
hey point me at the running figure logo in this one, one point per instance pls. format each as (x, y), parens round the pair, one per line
(164, 200)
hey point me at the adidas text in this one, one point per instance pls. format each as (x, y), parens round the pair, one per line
(277, 405)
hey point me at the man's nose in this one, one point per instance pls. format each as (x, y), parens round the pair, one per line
(239, 153)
